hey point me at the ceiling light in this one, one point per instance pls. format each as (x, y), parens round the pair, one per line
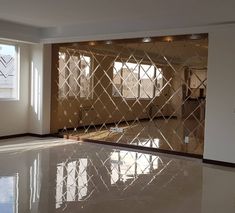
(168, 38)
(146, 39)
(195, 36)
(92, 43)
(108, 42)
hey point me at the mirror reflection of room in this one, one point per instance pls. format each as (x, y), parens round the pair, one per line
(146, 93)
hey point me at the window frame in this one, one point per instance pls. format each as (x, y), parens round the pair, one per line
(91, 83)
(17, 67)
(139, 80)
(79, 54)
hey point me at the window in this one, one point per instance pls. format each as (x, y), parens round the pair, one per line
(132, 80)
(8, 72)
(74, 75)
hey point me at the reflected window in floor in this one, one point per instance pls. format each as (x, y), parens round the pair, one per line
(35, 183)
(71, 182)
(9, 194)
(127, 165)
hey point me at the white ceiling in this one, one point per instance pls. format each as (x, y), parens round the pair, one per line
(87, 17)
(173, 13)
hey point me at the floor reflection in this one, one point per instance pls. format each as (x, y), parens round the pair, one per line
(82, 177)
(8, 193)
(76, 180)
(107, 174)
(174, 134)
(71, 181)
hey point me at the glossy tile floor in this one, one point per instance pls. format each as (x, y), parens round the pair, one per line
(57, 175)
(173, 134)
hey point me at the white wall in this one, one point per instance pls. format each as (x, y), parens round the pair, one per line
(35, 99)
(40, 81)
(220, 105)
(31, 113)
(46, 105)
(14, 114)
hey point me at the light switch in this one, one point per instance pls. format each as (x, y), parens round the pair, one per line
(186, 139)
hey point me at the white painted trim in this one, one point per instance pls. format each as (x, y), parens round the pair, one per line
(71, 37)
(23, 33)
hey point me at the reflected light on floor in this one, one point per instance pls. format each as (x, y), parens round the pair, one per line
(57, 175)
(34, 145)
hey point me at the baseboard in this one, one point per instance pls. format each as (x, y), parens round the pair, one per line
(13, 136)
(219, 163)
(40, 136)
(24, 135)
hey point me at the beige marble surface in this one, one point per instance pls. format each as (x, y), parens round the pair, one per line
(57, 175)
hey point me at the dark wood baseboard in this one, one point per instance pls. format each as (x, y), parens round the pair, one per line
(41, 136)
(219, 163)
(13, 136)
(25, 134)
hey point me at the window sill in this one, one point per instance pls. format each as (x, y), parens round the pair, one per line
(9, 99)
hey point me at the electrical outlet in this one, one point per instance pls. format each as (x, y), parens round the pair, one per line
(186, 139)
(116, 129)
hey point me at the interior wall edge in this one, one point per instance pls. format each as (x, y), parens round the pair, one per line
(220, 117)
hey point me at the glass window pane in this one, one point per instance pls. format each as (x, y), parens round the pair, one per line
(117, 81)
(73, 75)
(130, 80)
(8, 72)
(159, 78)
(63, 74)
(147, 81)
(85, 76)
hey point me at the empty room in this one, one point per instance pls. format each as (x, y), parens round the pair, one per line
(123, 106)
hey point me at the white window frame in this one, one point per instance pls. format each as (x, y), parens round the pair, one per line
(139, 97)
(79, 79)
(17, 67)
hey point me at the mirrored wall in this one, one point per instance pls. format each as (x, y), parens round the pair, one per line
(146, 92)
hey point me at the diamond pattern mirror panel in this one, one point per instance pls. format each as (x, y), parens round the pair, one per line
(148, 92)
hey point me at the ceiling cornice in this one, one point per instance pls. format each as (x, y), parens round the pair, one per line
(94, 31)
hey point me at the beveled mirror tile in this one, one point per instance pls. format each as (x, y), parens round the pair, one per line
(144, 94)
